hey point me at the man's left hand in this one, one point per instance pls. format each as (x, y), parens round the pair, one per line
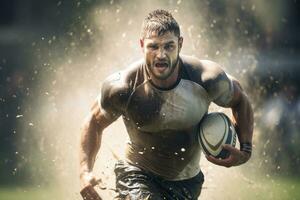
(235, 158)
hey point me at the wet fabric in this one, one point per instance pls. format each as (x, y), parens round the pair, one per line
(133, 183)
(162, 123)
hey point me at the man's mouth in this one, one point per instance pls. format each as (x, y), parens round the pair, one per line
(161, 65)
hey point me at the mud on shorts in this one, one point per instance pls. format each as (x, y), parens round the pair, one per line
(133, 183)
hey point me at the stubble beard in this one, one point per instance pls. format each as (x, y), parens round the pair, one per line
(165, 76)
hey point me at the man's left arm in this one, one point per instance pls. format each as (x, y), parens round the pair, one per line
(243, 117)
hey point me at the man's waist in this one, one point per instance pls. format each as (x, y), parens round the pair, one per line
(165, 163)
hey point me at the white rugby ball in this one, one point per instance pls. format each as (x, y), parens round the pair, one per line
(215, 130)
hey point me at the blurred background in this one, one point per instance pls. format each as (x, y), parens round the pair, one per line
(55, 54)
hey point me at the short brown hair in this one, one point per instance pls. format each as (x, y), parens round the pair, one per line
(159, 22)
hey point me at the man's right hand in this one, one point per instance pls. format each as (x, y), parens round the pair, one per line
(88, 181)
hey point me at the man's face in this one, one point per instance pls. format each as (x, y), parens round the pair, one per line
(161, 54)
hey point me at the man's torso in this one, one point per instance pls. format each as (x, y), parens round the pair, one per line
(162, 123)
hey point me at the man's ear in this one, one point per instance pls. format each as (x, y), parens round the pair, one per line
(180, 41)
(142, 44)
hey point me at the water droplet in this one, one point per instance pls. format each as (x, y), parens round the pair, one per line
(15, 170)
(152, 148)
(141, 152)
(182, 149)
(182, 158)
(176, 153)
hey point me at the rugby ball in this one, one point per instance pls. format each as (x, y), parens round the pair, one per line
(215, 130)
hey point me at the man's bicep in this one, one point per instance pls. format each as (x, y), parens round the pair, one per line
(237, 94)
(223, 90)
(98, 115)
(109, 104)
(217, 83)
(112, 97)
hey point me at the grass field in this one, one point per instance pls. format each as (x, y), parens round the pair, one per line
(27, 193)
(262, 189)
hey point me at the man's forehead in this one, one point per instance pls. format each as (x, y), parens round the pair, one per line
(167, 37)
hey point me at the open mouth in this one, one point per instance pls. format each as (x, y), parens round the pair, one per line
(161, 65)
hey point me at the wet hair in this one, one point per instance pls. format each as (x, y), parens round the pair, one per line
(159, 22)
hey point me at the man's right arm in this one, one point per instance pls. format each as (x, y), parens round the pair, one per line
(90, 143)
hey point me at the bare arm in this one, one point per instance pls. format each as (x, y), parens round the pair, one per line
(90, 143)
(243, 117)
(243, 114)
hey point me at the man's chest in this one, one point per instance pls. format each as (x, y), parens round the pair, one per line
(154, 110)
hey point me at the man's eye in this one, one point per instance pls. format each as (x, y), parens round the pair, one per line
(153, 47)
(169, 47)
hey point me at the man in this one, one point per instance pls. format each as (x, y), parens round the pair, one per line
(162, 99)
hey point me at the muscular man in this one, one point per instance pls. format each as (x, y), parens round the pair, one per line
(162, 99)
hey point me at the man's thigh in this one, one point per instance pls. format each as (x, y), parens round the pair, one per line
(135, 184)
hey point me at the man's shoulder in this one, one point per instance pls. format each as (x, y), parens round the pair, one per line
(201, 70)
(122, 81)
(117, 88)
(211, 77)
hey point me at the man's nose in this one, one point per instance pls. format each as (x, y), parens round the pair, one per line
(161, 54)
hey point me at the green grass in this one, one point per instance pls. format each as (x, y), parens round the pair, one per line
(276, 188)
(27, 193)
(260, 188)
